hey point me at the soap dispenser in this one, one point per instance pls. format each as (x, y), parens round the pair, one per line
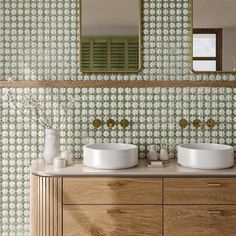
(163, 152)
(152, 153)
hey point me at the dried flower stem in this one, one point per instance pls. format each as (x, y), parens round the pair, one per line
(36, 121)
(44, 120)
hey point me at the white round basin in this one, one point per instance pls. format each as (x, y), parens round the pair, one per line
(205, 155)
(110, 156)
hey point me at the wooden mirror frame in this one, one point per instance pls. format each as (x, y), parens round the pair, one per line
(140, 9)
(191, 55)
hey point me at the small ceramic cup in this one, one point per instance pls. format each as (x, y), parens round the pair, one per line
(59, 163)
(68, 156)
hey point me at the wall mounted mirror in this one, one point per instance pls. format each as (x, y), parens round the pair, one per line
(110, 35)
(214, 36)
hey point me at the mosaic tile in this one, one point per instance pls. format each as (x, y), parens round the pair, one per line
(154, 113)
(39, 40)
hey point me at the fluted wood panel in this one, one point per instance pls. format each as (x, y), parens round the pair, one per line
(46, 206)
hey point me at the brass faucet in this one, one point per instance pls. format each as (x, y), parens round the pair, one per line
(211, 123)
(124, 123)
(198, 124)
(183, 123)
(111, 123)
(97, 123)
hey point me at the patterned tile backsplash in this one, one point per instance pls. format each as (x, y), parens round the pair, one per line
(39, 40)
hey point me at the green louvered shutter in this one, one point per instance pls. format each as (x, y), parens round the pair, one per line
(100, 54)
(117, 54)
(110, 54)
(85, 54)
(133, 55)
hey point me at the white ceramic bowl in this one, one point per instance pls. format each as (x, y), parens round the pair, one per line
(110, 156)
(205, 155)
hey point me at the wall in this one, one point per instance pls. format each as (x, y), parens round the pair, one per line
(229, 49)
(39, 40)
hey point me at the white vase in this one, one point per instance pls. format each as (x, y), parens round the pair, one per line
(51, 145)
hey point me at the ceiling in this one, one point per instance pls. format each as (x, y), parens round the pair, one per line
(214, 13)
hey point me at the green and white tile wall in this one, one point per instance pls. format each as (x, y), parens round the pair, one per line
(39, 40)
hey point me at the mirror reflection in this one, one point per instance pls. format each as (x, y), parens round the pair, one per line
(110, 35)
(214, 35)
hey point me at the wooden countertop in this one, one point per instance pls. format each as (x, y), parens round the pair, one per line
(173, 169)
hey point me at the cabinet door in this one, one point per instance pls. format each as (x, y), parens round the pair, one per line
(196, 220)
(112, 191)
(112, 220)
(199, 191)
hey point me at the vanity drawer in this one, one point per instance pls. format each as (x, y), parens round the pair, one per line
(112, 191)
(195, 220)
(120, 220)
(200, 191)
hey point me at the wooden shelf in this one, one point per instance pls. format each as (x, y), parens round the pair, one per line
(95, 84)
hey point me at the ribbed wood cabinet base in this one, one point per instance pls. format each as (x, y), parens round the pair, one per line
(45, 206)
(93, 206)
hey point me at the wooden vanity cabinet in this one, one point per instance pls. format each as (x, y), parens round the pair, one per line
(91, 206)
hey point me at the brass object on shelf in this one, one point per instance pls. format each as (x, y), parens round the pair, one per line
(198, 124)
(211, 123)
(97, 123)
(110, 123)
(124, 123)
(183, 123)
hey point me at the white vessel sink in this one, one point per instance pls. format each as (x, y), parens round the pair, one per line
(205, 155)
(110, 156)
